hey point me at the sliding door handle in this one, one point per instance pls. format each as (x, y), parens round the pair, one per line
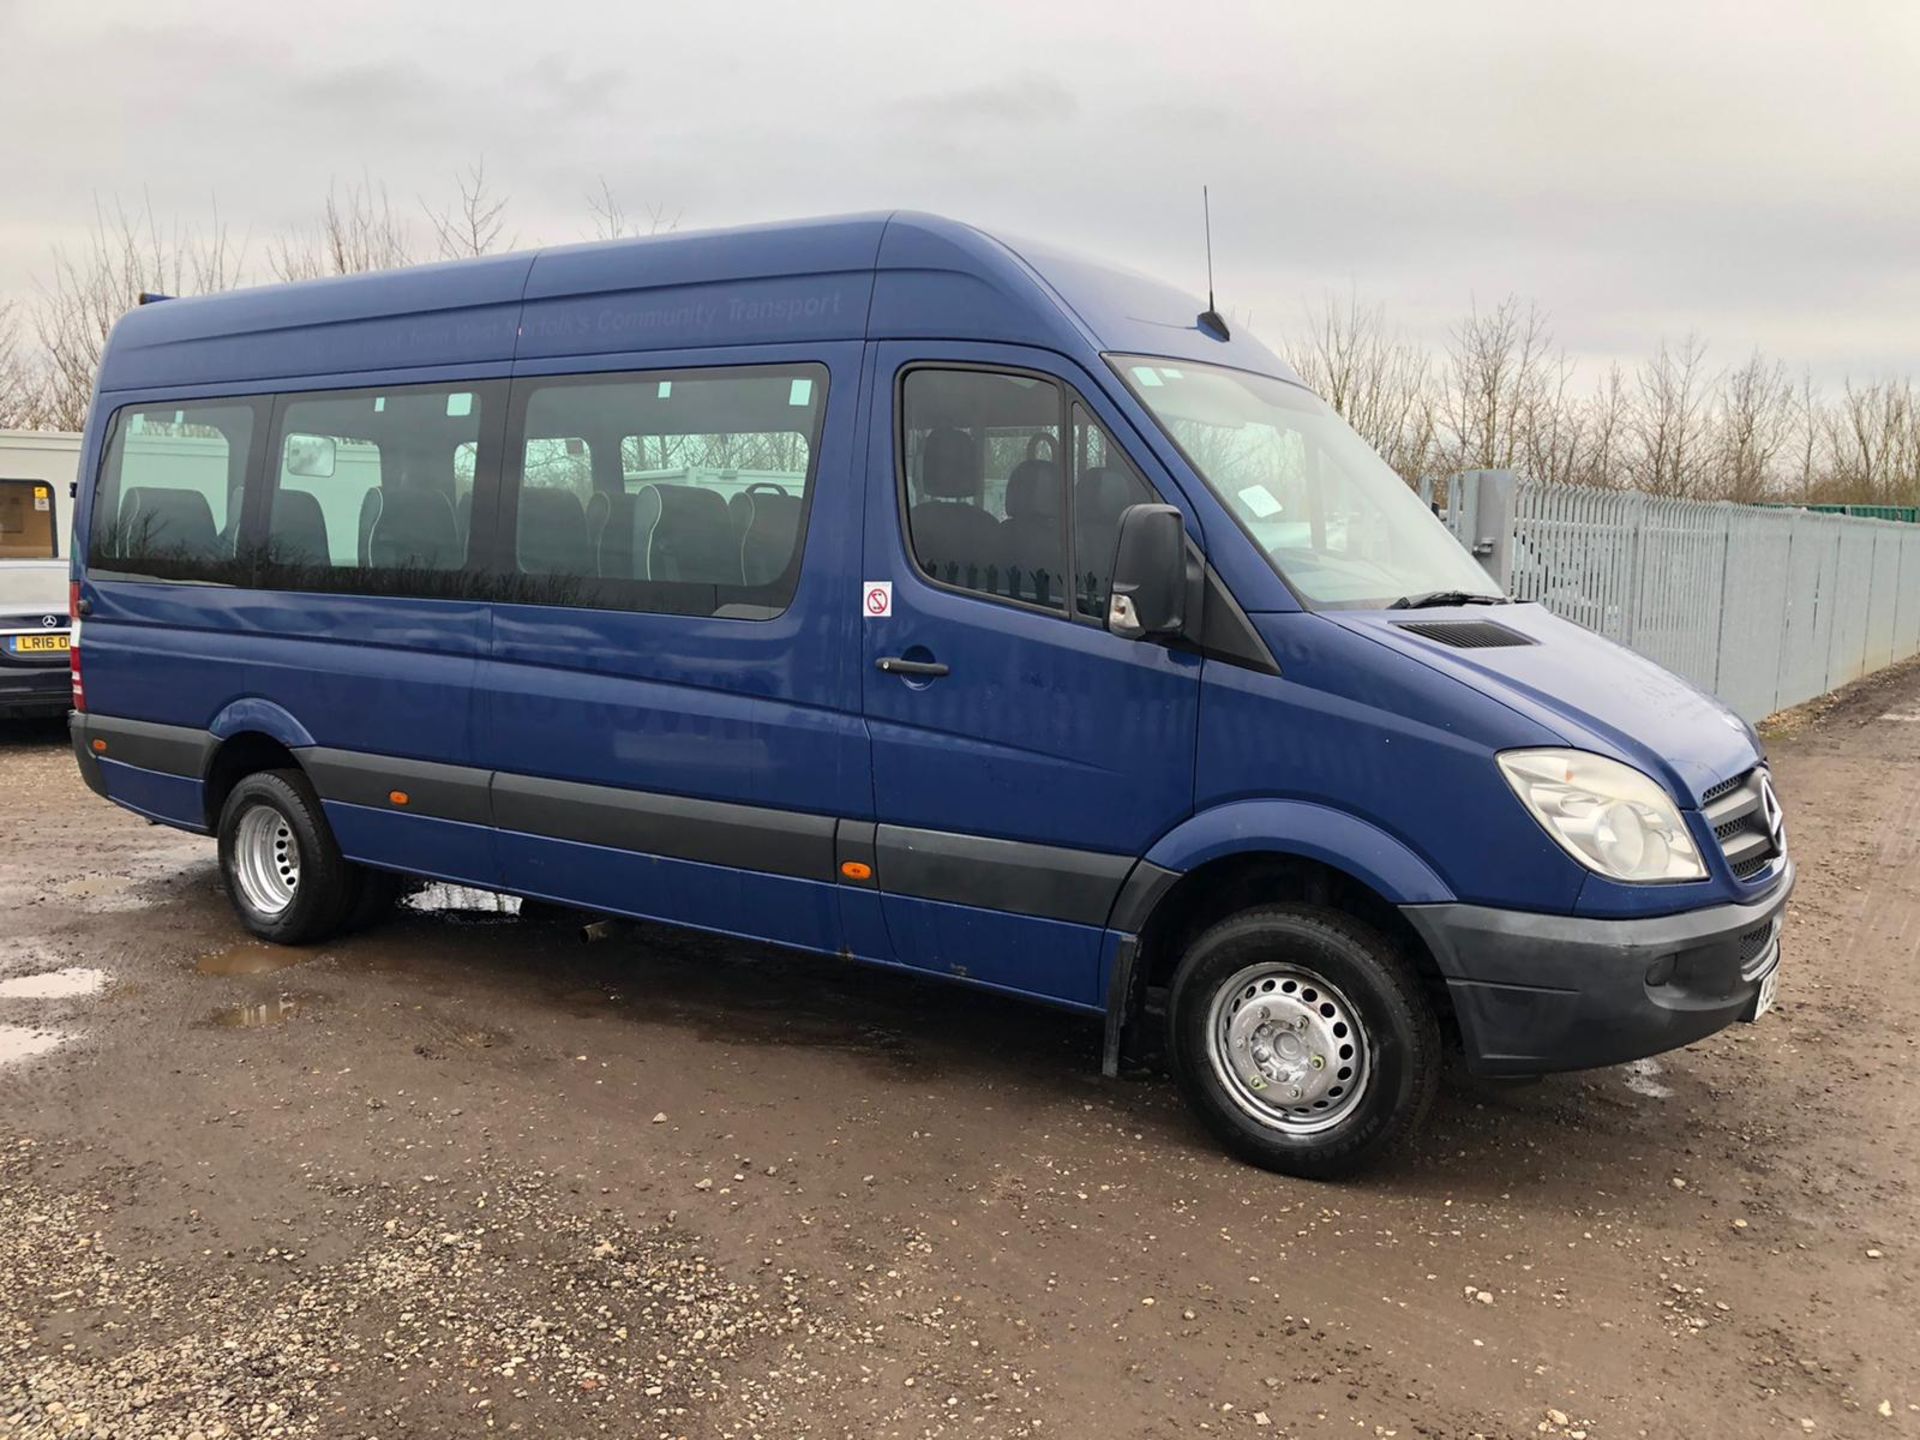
(920, 669)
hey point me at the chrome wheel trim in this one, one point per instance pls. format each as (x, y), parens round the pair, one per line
(266, 860)
(1288, 1049)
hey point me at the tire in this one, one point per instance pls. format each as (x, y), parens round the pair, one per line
(377, 892)
(283, 869)
(1300, 1036)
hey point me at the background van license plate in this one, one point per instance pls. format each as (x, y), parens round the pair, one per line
(38, 644)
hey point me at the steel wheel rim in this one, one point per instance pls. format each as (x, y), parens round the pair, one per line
(266, 860)
(1288, 1048)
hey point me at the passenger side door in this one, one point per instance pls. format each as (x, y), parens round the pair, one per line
(670, 706)
(1023, 756)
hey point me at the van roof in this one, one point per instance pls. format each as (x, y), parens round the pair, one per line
(882, 276)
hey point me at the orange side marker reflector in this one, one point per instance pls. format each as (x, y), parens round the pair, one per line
(99, 747)
(398, 797)
(854, 870)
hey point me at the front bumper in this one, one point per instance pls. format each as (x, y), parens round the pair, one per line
(1535, 993)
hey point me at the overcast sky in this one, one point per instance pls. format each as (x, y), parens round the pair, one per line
(1749, 171)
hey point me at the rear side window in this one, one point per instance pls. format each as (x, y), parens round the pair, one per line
(986, 486)
(373, 489)
(684, 492)
(26, 520)
(168, 501)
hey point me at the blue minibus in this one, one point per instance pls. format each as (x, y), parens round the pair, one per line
(884, 589)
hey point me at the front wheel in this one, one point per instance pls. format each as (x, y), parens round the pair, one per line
(1302, 1039)
(284, 870)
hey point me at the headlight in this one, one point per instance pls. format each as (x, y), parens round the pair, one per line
(1608, 816)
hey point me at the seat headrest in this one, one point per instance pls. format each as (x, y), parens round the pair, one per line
(162, 521)
(297, 529)
(416, 528)
(1103, 493)
(950, 466)
(1033, 491)
(553, 537)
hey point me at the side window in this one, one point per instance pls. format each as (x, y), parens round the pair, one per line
(372, 489)
(26, 520)
(684, 492)
(1104, 485)
(168, 501)
(985, 483)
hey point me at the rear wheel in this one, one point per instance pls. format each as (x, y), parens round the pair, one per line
(1300, 1036)
(284, 871)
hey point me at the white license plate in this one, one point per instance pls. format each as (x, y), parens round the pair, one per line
(1763, 1002)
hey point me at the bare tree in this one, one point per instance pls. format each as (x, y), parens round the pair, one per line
(1608, 416)
(611, 221)
(1670, 420)
(475, 224)
(358, 231)
(19, 384)
(1873, 437)
(1493, 376)
(95, 283)
(1752, 422)
(1346, 353)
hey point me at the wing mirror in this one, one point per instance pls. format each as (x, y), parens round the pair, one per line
(1150, 586)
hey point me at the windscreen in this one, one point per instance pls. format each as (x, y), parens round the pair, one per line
(1329, 515)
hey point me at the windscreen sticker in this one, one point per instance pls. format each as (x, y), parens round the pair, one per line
(876, 599)
(800, 392)
(42, 499)
(1260, 501)
(1146, 375)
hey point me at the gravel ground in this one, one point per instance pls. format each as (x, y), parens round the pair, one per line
(464, 1174)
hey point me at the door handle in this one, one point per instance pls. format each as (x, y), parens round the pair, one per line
(925, 669)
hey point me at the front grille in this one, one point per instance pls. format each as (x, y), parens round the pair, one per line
(1714, 792)
(1750, 837)
(1466, 634)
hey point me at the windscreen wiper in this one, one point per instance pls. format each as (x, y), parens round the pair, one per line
(1432, 598)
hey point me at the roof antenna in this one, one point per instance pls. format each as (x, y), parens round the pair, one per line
(1210, 320)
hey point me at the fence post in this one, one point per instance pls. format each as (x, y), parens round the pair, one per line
(1487, 529)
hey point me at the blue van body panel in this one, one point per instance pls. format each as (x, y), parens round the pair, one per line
(171, 799)
(719, 898)
(1311, 831)
(453, 314)
(262, 717)
(768, 285)
(715, 772)
(1592, 693)
(1405, 751)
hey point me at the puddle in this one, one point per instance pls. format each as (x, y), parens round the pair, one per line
(64, 984)
(261, 1015)
(250, 958)
(100, 894)
(462, 902)
(23, 1042)
(1643, 1078)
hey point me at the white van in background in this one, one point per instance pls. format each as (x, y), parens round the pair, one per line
(37, 470)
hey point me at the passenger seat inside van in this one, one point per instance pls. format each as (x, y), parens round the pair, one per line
(415, 529)
(552, 538)
(1031, 538)
(163, 522)
(954, 534)
(681, 532)
(767, 520)
(297, 529)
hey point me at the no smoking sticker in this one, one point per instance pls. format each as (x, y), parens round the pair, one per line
(876, 599)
